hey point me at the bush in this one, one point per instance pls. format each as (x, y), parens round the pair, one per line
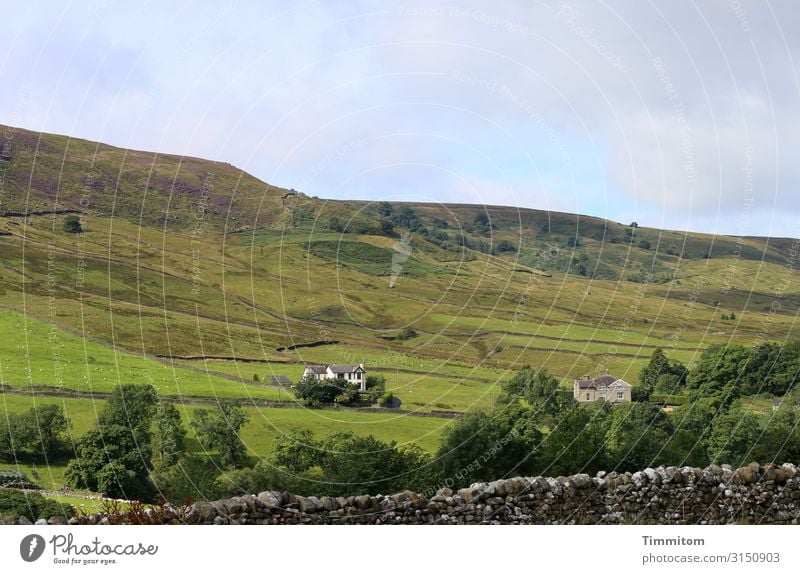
(31, 505)
(12, 476)
(72, 224)
(387, 399)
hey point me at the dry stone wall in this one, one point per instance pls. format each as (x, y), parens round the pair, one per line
(754, 494)
(665, 495)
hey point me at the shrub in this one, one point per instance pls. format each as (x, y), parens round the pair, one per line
(387, 399)
(72, 224)
(31, 505)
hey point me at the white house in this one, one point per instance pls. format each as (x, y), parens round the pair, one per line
(607, 388)
(354, 374)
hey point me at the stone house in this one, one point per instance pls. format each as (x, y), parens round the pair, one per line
(354, 374)
(607, 388)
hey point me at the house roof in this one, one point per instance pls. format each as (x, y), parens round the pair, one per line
(605, 380)
(338, 369)
(279, 379)
(316, 369)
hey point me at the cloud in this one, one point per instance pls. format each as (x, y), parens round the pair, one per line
(667, 112)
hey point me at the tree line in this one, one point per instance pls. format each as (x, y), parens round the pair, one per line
(138, 448)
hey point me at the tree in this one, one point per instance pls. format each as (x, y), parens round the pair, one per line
(72, 224)
(219, 430)
(576, 441)
(537, 387)
(733, 437)
(191, 478)
(170, 434)
(779, 440)
(482, 219)
(314, 392)
(650, 374)
(636, 436)
(48, 426)
(365, 464)
(692, 429)
(297, 451)
(125, 453)
(505, 246)
(121, 439)
(487, 446)
(39, 432)
(718, 374)
(644, 244)
(133, 406)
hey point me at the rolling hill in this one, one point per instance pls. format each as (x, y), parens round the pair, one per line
(199, 278)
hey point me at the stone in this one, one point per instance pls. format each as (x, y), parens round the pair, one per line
(580, 481)
(23, 520)
(41, 522)
(746, 475)
(201, 513)
(362, 502)
(269, 499)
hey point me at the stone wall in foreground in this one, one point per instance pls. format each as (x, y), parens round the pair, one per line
(754, 494)
(767, 494)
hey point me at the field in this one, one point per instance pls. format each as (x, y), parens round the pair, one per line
(197, 276)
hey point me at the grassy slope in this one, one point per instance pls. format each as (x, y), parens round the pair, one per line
(183, 257)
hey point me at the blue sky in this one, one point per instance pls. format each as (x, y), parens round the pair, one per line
(674, 114)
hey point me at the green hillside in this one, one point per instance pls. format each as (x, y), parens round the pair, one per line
(195, 276)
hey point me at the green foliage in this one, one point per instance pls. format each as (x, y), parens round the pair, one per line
(192, 478)
(220, 430)
(12, 476)
(170, 434)
(31, 505)
(386, 399)
(537, 387)
(660, 374)
(505, 246)
(636, 436)
(72, 224)
(315, 392)
(487, 446)
(576, 442)
(342, 464)
(297, 451)
(376, 383)
(39, 432)
(114, 457)
(113, 460)
(733, 437)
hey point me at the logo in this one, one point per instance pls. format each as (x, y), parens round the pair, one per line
(31, 548)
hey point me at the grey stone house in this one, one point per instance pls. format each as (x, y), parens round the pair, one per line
(606, 387)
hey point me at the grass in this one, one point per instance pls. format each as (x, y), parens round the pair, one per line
(42, 355)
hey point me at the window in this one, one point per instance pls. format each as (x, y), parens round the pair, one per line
(587, 396)
(620, 395)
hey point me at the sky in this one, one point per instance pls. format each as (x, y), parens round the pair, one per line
(675, 114)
